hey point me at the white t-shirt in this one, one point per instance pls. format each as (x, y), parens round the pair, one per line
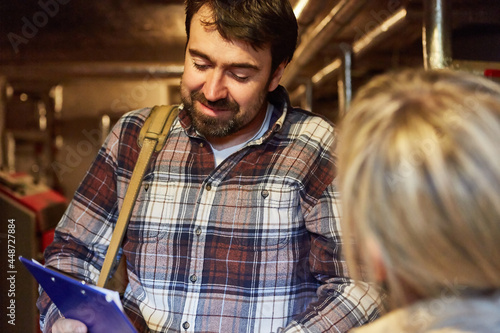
(221, 155)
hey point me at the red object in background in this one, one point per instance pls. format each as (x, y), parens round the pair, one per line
(46, 204)
(492, 73)
(29, 213)
(48, 207)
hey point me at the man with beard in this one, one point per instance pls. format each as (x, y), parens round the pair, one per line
(236, 225)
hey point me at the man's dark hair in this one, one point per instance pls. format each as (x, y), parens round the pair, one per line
(257, 22)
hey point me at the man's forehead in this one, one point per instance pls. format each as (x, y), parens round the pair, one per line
(205, 17)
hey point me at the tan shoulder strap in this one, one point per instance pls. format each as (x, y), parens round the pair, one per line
(159, 122)
(152, 137)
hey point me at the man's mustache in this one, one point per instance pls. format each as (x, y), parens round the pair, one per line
(221, 104)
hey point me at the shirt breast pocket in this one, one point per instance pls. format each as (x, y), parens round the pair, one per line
(269, 216)
(154, 212)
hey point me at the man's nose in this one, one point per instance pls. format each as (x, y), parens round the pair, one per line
(215, 87)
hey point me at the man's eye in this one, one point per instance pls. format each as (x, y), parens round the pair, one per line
(239, 78)
(200, 67)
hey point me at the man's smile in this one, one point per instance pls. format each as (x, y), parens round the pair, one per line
(212, 110)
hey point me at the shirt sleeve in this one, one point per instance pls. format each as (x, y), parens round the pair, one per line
(50, 315)
(83, 234)
(342, 302)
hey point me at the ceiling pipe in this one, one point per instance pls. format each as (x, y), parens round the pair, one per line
(327, 71)
(317, 37)
(306, 11)
(344, 82)
(298, 10)
(57, 71)
(361, 46)
(436, 34)
(380, 33)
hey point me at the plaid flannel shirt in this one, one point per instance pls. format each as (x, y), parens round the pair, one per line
(252, 245)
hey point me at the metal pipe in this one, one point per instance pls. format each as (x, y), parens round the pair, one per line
(309, 96)
(474, 67)
(436, 34)
(303, 95)
(299, 8)
(306, 11)
(327, 71)
(344, 84)
(361, 46)
(55, 71)
(380, 33)
(3, 98)
(316, 38)
(364, 43)
(10, 147)
(296, 95)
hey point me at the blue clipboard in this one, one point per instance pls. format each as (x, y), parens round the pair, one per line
(98, 308)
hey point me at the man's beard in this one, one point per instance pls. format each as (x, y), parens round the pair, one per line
(214, 127)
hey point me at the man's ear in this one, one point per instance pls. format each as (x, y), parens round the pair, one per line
(378, 264)
(276, 77)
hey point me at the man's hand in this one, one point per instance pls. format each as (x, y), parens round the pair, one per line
(64, 325)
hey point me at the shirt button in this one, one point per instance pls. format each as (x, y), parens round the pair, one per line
(198, 231)
(185, 325)
(193, 278)
(265, 194)
(202, 145)
(208, 187)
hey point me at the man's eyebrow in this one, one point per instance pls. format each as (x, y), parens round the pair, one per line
(195, 53)
(199, 54)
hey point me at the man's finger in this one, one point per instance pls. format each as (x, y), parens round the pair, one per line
(64, 325)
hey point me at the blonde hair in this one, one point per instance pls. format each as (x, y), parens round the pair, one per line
(419, 173)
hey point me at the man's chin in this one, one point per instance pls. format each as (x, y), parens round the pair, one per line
(213, 127)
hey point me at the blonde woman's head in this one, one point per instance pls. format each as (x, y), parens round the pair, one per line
(419, 171)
